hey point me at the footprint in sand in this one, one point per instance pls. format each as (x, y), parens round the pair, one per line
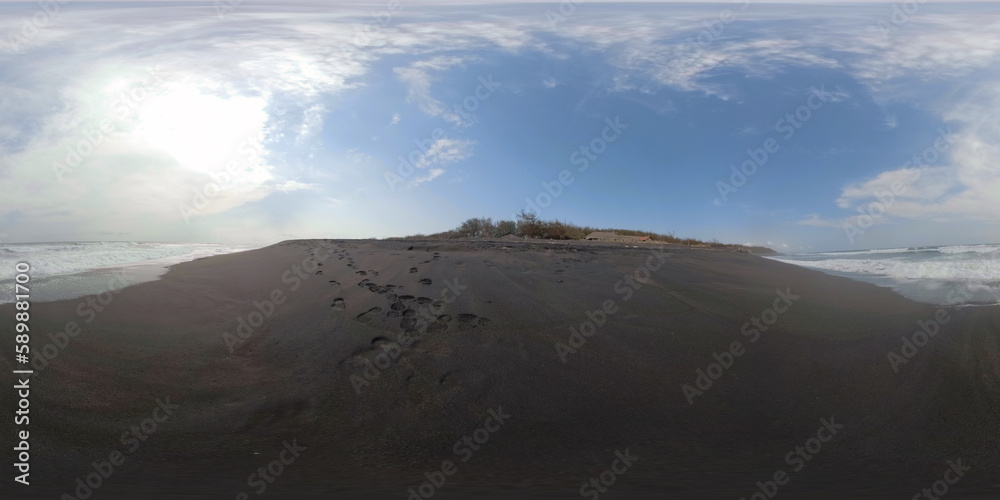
(338, 304)
(413, 269)
(373, 272)
(409, 336)
(425, 281)
(406, 297)
(437, 327)
(364, 282)
(424, 300)
(335, 282)
(319, 272)
(369, 314)
(470, 321)
(362, 273)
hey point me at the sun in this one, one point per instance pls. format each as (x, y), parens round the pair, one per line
(201, 131)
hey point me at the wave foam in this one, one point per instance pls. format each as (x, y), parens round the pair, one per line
(985, 270)
(51, 259)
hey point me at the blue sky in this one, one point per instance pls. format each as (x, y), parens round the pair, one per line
(269, 122)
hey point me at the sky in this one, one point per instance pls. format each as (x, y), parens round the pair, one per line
(799, 127)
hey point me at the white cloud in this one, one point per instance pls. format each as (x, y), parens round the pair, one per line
(816, 221)
(312, 123)
(418, 78)
(432, 174)
(289, 186)
(444, 151)
(921, 184)
(269, 75)
(965, 187)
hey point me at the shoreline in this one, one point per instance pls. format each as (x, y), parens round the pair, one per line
(110, 278)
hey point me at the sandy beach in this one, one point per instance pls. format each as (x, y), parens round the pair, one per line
(364, 368)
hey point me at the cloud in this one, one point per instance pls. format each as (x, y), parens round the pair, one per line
(816, 221)
(312, 123)
(967, 187)
(922, 184)
(444, 151)
(418, 78)
(267, 76)
(432, 174)
(289, 186)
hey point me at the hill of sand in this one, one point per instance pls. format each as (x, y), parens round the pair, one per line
(530, 367)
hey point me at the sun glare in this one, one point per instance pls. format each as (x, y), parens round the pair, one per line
(202, 132)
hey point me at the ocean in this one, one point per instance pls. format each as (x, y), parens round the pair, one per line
(957, 275)
(70, 270)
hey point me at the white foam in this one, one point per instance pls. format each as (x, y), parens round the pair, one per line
(53, 259)
(874, 252)
(985, 249)
(948, 270)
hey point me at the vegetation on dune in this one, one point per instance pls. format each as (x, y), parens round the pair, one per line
(528, 225)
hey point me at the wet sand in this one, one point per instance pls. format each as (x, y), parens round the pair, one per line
(379, 357)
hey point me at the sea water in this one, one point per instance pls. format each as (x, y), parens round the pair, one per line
(70, 270)
(942, 275)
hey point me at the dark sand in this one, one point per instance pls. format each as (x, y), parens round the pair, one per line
(493, 347)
